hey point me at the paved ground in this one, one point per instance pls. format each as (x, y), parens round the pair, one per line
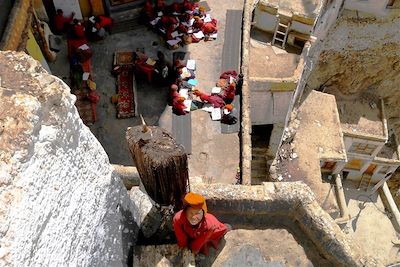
(215, 156)
(370, 226)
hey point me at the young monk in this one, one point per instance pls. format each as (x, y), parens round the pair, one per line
(178, 107)
(229, 93)
(195, 228)
(61, 22)
(215, 100)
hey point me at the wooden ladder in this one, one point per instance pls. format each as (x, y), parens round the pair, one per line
(280, 34)
(365, 181)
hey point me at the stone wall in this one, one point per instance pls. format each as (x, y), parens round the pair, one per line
(61, 204)
(252, 206)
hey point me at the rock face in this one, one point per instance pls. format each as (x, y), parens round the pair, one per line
(361, 55)
(60, 202)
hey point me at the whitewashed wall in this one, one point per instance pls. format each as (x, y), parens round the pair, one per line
(69, 6)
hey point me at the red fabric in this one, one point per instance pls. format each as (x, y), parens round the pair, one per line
(160, 5)
(187, 6)
(149, 10)
(195, 39)
(209, 28)
(87, 65)
(60, 21)
(144, 68)
(214, 100)
(228, 73)
(79, 31)
(198, 24)
(182, 28)
(126, 104)
(93, 97)
(175, 7)
(178, 107)
(229, 93)
(73, 44)
(209, 230)
(105, 22)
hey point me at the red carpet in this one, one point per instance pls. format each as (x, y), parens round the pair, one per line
(126, 104)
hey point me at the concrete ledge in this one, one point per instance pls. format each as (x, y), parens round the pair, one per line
(129, 175)
(294, 201)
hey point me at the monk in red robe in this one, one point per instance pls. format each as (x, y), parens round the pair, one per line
(149, 10)
(195, 228)
(215, 100)
(210, 27)
(229, 93)
(60, 22)
(79, 29)
(104, 22)
(188, 6)
(178, 107)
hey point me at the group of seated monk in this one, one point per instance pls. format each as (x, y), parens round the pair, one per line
(94, 28)
(160, 68)
(230, 83)
(180, 23)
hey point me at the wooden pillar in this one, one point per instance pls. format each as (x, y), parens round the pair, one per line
(161, 163)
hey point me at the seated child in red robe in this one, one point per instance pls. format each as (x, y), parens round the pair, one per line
(61, 22)
(195, 228)
(215, 100)
(178, 107)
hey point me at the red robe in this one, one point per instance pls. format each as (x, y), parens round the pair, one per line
(214, 100)
(178, 107)
(60, 21)
(210, 27)
(209, 230)
(229, 94)
(79, 31)
(105, 22)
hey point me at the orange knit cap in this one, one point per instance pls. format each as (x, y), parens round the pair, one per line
(229, 107)
(195, 201)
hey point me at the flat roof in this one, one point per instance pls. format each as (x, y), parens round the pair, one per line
(307, 8)
(268, 61)
(361, 117)
(320, 126)
(317, 137)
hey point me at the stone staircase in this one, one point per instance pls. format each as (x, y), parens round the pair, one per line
(126, 20)
(259, 170)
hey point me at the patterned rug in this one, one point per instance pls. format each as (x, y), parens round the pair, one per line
(126, 103)
(86, 109)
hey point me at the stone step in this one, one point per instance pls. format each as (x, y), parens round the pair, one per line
(259, 149)
(124, 26)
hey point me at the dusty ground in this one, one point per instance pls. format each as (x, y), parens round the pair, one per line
(215, 156)
(370, 226)
(269, 247)
(241, 247)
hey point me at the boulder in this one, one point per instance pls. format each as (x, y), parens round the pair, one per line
(61, 204)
